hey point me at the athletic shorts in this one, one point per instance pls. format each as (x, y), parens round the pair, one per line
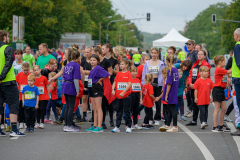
(218, 94)
(85, 86)
(96, 90)
(9, 94)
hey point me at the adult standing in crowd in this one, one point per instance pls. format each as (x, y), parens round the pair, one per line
(236, 73)
(8, 85)
(28, 57)
(45, 56)
(198, 47)
(53, 53)
(59, 58)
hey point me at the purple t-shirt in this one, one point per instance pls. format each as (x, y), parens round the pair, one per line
(97, 73)
(71, 72)
(173, 80)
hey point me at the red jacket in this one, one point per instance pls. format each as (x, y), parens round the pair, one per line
(204, 63)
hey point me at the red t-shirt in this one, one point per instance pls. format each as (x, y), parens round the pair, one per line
(204, 87)
(136, 85)
(139, 72)
(54, 91)
(147, 91)
(22, 81)
(220, 77)
(128, 56)
(42, 83)
(122, 80)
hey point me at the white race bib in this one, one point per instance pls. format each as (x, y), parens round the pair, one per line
(153, 69)
(194, 72)
(41, 90)
(225, 78)
(86, 78)
(136, 87)
(136, 62)
(21, 87)
(121, 85)
(89, 82)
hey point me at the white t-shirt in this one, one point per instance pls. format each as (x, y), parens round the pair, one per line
(17, 67)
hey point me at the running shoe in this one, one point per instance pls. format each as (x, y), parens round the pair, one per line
(27, 130)
(217, 129)
(2, 134)
(36, 125)
(204, 125)
(225, 128)
(183, 118)
(237, 133)
(21, 126)
(115, 130)
(185, 114)
(16, 134)
(173, 129)
(76, 126)
(128, 130)
(191, 123)
(227, 119)
(157, 123)
(24, 126)
(59, 122)
(136, 127)
(238, 126)
(64, 128)
(139, 117)
(150, 122)
(164, 128)
(41, 126)
(144, 126)
(2, 126)
(98, 129)
(90, 129)
(46, 121)
(31, 129)
(148, 126)
(8, 129)
(71, 129)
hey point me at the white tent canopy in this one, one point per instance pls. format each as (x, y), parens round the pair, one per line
(173, 38)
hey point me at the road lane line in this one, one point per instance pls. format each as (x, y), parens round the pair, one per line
(206, 153)
(21, 130)
(235, 138)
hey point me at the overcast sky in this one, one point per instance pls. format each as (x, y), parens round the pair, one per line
(165, 14)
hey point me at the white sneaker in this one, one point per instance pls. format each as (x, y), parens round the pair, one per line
(150, 122)
(24, 125)
(204, 125)
(136, 127)
(157, 123)
(65, 129)
(21, 126)
(115, 130)
(36, 125)
(2, 126)
(190, 114)
(185, 114)
(173, 129)
(227, 119)
(129, 130)
(41, 126)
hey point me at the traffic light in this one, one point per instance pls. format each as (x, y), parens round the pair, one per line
(148, 16)
(214, 18)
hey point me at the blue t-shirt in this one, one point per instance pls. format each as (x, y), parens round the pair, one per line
(181, 85)
(30, 95)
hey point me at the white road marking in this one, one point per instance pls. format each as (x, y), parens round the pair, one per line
(206, 153)
(21, 130)
(235, 138)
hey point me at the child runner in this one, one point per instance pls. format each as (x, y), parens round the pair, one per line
(53, 98)
(95, 85)
(203, 90)
(70, 88)
(30, 100)
(17, 64)
(170, 94)
(41, 83)
(122, 88)
(136, 96)
(148, 99)
(22, 81)
(221, 80)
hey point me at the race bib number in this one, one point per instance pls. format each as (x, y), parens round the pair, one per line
(154, 69)
(86, 78)
(225, 78)
(29, 95)
(136, 62)
(21, 87)
(121, 85)
(194, 72)
(89, 82)
(41, 90)
(136, 87)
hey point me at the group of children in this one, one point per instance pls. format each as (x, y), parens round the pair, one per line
(38, 93)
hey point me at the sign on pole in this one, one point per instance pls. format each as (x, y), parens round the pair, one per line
(21, 28)
(15, 29)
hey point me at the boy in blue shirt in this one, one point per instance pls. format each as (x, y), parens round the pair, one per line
(30, 99)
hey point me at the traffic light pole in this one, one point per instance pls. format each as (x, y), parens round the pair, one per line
(119, 21)
(228, 20)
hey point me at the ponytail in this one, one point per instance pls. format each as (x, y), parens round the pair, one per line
(109, 46)
(170, 59)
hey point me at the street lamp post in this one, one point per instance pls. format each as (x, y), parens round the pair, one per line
(120, 31)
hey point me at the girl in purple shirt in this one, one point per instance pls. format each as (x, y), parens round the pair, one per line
(95, 77)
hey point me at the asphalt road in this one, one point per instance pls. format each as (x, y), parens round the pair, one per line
(190, 143)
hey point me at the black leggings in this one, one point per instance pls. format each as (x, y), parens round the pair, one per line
(229, 109)
(41, 111)
(194, 107)
(68, 113)
(149, 113)
(21, 113)
(165, 113)
(172, 114)
(134, 106)
(106, 106)
(157, 92)
(203, 113)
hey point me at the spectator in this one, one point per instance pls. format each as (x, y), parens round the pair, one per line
(59, 58)
(53, 53)
(45, 56)
(28, 57)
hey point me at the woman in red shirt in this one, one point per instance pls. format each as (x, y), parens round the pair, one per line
(122, 88)
(221, 80)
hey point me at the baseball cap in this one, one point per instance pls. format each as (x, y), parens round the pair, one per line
(190, 42)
